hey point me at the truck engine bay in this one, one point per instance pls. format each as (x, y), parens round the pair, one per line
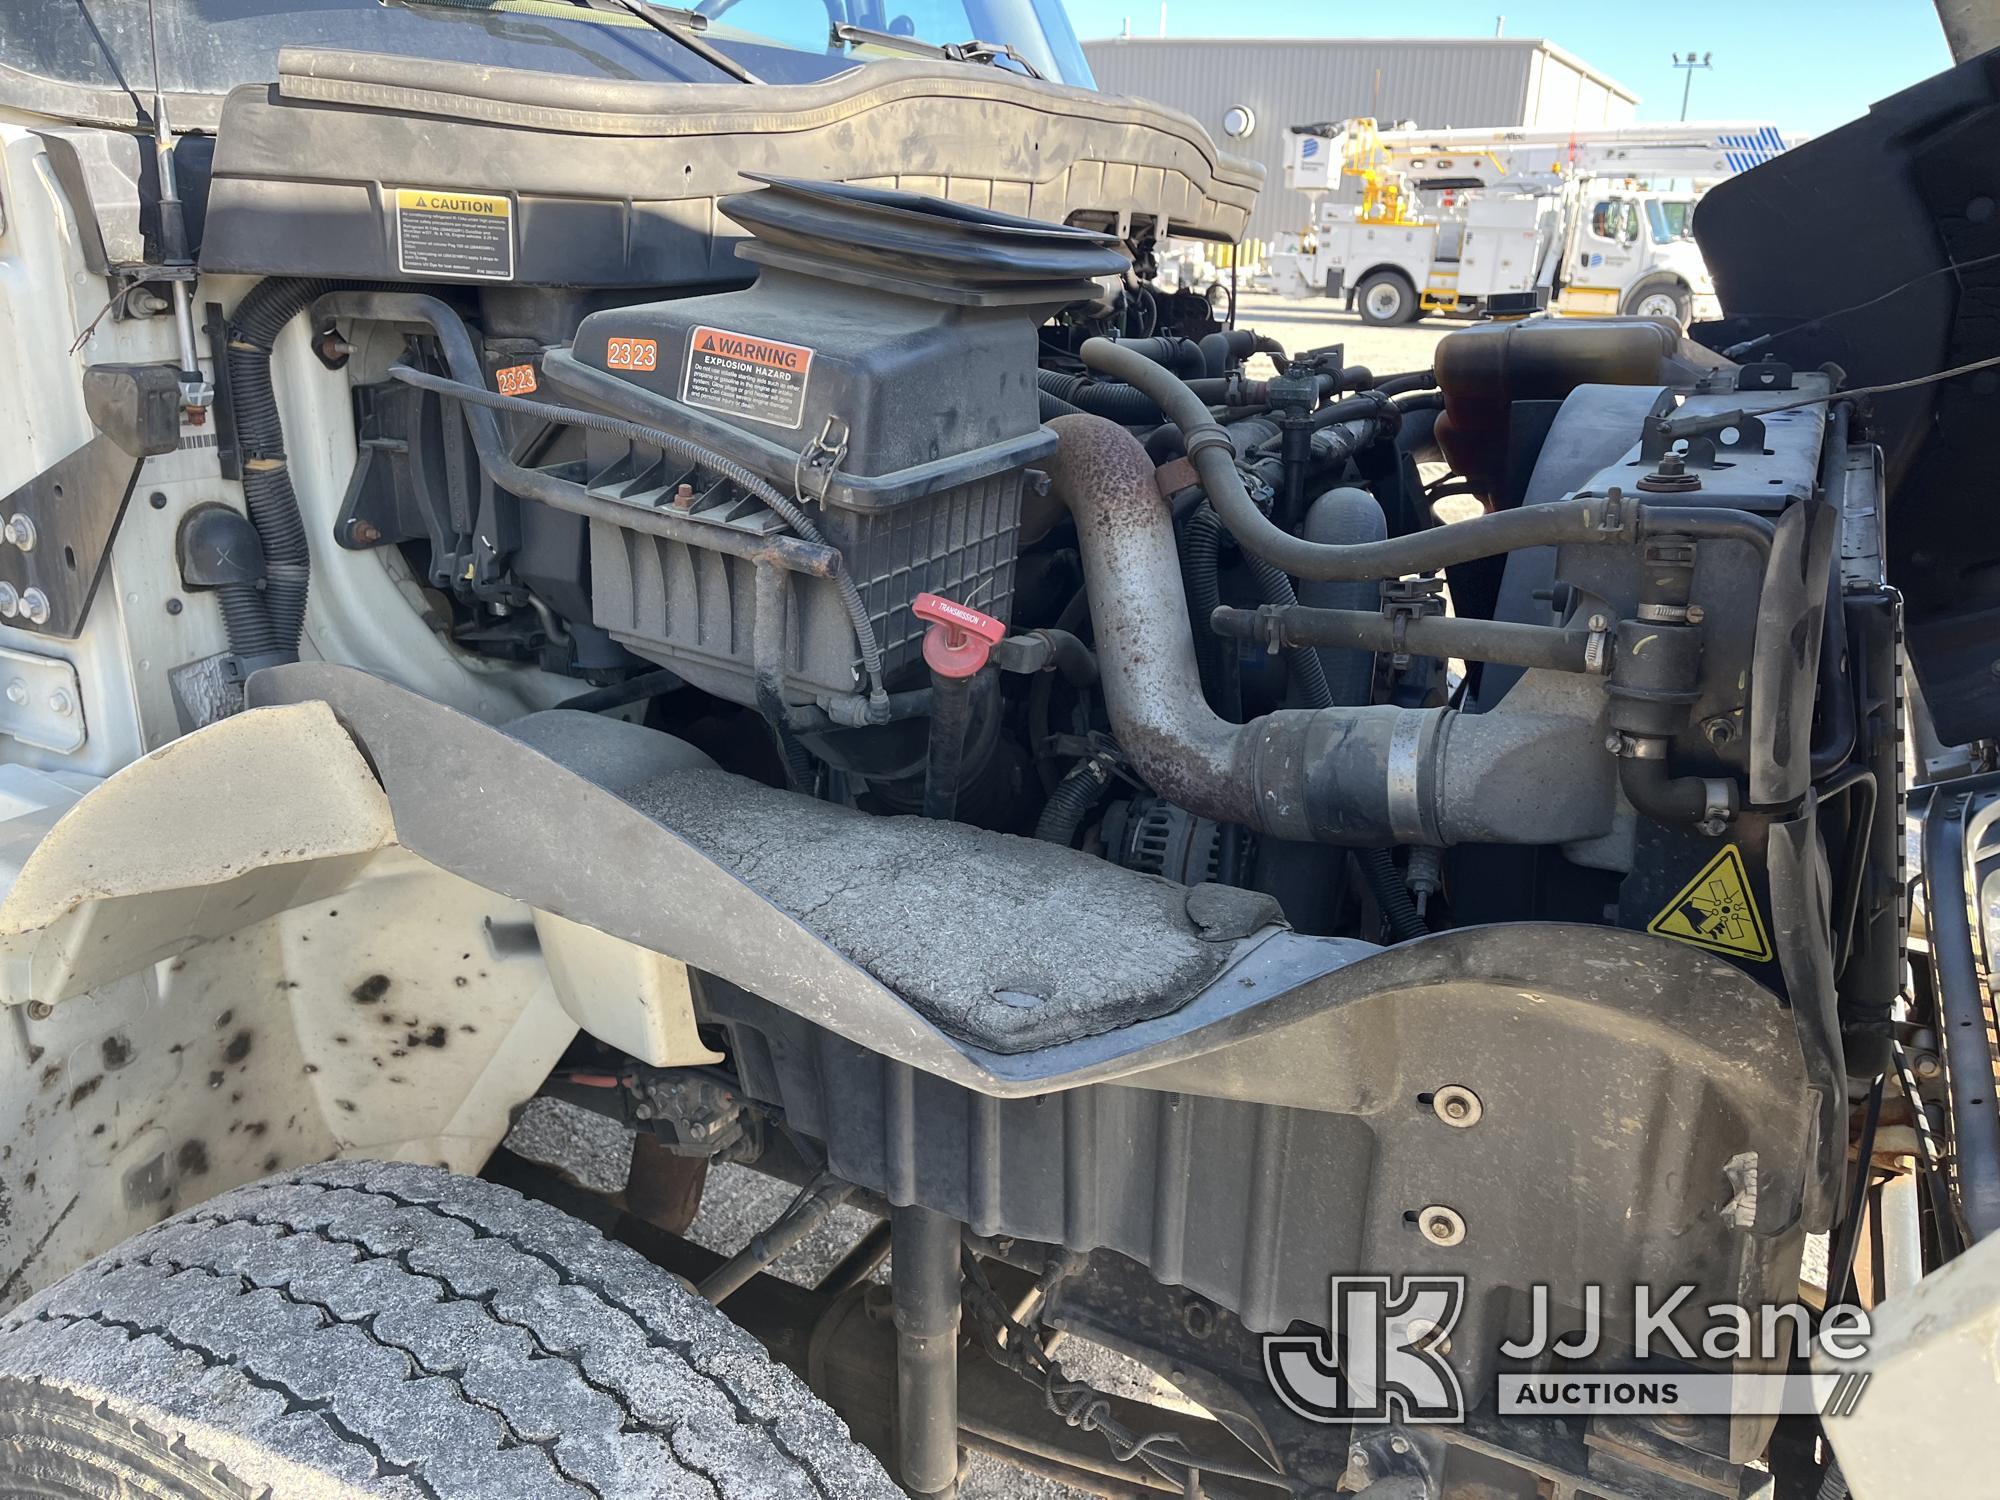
(976, 737)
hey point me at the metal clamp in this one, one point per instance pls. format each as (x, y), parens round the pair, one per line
(823, 455)
(1405, 600)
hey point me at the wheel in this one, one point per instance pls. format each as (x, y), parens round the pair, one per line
(1660, 297)
(1386, 299)
(366, 1329)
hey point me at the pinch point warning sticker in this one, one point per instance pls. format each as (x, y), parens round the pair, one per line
(1717, 910)
(443, 232)
(746, 376)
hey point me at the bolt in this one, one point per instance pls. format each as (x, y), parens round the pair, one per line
(60, 704)
(1399, 1444)
(1441, 1225)
(20, 531)
(10, 600)
(174, 606)
(643, 1111)
(1599, 622)
(1615, 742)
(1420, 1330)
(1360, 1458)
(1696, 614)
(698, 1130)
(1720, 729)
(157, 500)
(40, 1010)
(683, 496)
(1926, 1066)
(34, 606)
(367, 533)
(17, 693)
(1457, 1106)
(1994, 668)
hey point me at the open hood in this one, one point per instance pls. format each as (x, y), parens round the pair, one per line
(1877, 247)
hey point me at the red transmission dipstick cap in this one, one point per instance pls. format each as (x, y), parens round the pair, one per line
(960, 639)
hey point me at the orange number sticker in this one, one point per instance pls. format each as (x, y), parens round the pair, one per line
(632, 354)
(515, 380)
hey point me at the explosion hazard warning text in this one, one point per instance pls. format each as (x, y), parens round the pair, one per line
(761, 379)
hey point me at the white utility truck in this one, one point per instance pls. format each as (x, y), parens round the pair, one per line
(1509, 220)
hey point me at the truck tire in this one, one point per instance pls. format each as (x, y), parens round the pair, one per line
(1660, 297)
(1387, 299)
(367, 1329)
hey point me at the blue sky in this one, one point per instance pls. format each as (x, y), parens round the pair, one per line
(1807, 64)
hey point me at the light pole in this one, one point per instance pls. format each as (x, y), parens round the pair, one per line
(1688, 64)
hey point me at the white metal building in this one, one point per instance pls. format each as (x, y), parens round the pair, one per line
(1280, 82)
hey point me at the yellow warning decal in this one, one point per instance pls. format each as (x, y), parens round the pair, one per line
(443, 232)
(444, 201)
(1716, 911)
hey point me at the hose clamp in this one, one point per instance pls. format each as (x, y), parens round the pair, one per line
(1411, 782)
(1203, 435)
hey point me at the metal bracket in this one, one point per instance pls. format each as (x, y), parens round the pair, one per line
(1707, 434)
(1405, 600)
(1764, 375)
(72, 509)
(41, 702)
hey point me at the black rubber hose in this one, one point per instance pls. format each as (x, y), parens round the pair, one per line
(1182, 356)
(944, 766)
(267, 486)
(619, 694)
(1103, 398)
(1232, 346)
(1586, 521)
(1070, 803)
(1201, 561)
(1399, 910)
(1343, 517)
(1302, 662)
(253, 640)
(1052, 406)
(1678, 801)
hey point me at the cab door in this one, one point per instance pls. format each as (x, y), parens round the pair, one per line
(1608, 253)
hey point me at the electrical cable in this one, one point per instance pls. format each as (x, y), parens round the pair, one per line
(1737, 351)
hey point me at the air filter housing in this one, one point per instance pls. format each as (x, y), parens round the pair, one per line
(881, 371)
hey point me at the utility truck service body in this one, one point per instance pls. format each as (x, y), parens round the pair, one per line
(1408, 222)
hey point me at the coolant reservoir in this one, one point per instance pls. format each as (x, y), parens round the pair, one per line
(1483, 370)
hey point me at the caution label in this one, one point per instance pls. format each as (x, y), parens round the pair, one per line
(444, 233)
(747, 377)
(1717, 911)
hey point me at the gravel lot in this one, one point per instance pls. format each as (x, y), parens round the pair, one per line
(1314, 323)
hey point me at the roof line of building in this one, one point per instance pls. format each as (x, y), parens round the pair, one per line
(1561, 54)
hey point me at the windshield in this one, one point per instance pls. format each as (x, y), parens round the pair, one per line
(207, 47)
(1668, 218)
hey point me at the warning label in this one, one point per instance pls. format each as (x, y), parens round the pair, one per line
(1717, 911)
(443, 233)
(747, 377)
